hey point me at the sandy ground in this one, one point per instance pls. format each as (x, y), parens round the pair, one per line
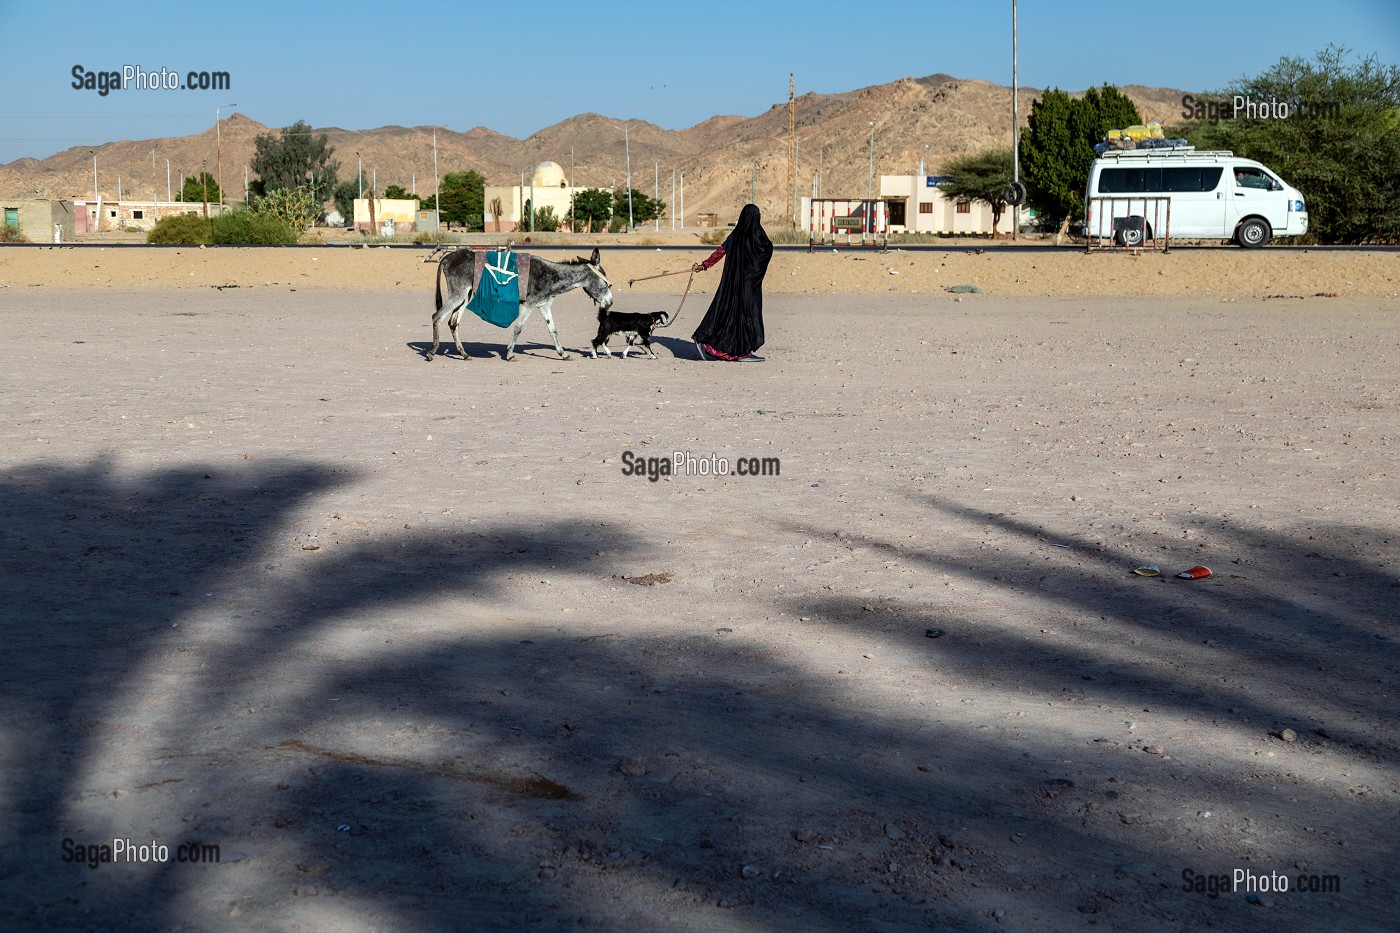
(406, 644)
(1201, 271)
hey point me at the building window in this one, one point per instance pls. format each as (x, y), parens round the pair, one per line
(964, 207)
(138, 215)
(112, 214)
(926, 207)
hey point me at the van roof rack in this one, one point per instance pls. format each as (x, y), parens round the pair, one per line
(1184, 152)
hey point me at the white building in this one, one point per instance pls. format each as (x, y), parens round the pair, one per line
(546, 187)
(916, 205)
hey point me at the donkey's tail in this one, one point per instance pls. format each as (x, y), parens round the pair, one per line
(438, 297)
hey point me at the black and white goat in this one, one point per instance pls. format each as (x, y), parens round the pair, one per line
(636, 327)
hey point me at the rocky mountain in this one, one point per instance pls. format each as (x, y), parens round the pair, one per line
(930, 119)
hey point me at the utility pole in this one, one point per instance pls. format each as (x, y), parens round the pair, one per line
(204, 176)
(96, 198)
(219, 150)
(656, 168)
(154, 196)
(572, 186)
(797, 166)
(672, 211)
(437, 187)
(94, 177)
(792, 142)
(870, 177)
(1015, 127)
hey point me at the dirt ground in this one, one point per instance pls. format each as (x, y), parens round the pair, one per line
(405, 643)
(1220, 272)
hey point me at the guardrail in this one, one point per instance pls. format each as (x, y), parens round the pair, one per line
(1122, 222)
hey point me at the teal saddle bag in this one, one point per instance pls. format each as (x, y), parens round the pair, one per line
(497, 297)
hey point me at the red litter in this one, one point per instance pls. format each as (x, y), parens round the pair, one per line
(1195, 573)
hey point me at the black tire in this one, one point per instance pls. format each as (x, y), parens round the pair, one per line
(1133, 237)
(1252, 233)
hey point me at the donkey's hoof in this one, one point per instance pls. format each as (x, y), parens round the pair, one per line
(566, 356)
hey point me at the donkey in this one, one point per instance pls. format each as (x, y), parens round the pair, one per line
(548, 280)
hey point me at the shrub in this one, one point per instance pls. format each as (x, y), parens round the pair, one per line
(12, 234)
(295, 207)
(545, 220)
(435, 238)
(249, 229)
(181, 228)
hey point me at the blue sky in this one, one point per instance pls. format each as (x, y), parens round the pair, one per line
(359, 65)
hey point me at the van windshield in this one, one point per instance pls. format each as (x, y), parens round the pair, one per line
(1153, 180)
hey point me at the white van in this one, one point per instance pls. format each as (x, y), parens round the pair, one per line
(1181, 193)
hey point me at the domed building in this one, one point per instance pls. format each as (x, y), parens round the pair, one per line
(508, 207)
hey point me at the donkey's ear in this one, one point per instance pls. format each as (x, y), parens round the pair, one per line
(594, 258)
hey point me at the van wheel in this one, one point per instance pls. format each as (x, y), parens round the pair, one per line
(1133, 236)
(1253, 233)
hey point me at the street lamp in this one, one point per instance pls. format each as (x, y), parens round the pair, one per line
(627, 144)
(870, 178)
(168, 196)
(219, 151)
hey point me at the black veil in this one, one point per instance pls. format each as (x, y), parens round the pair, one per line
(734, 323)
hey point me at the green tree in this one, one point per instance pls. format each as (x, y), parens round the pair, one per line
(193, 190)
(345, 194)
(1339, 144)
(461, 195)
(397, 192)
(294, 158)
(592, 210)
(1057, 147)
(644, 208)
(982, 177)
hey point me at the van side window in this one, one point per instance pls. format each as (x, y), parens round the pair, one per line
(1149, 180)
(1130, 180)
(1111, 180)
(1248, 177)
(1181, 179)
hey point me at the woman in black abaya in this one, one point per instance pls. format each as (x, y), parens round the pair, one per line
(733, 327)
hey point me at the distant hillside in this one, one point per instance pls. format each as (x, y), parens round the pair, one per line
(931, 118)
